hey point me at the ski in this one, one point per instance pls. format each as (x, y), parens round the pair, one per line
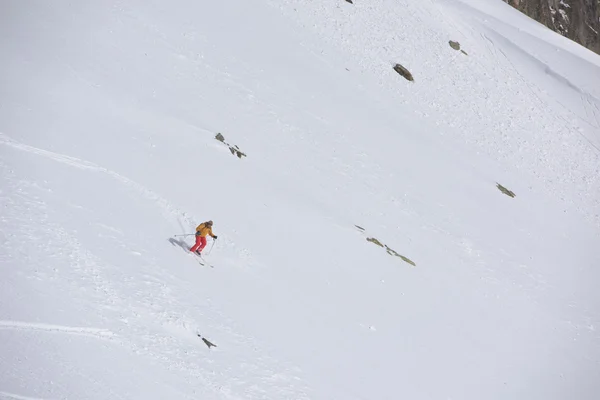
(205, 262)
(200, 260)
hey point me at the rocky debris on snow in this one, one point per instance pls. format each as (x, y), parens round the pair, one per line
(373, 240)
(207, 342)
(387, 248)
(393, 252)
(505, 190)
(349, 1)
(454, 45)
(403, 72)
(234, 149)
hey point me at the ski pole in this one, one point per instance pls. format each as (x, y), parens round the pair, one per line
(187, 234)
(211, 246)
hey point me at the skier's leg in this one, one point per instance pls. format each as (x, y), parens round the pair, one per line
(203, 245)
(198, 243)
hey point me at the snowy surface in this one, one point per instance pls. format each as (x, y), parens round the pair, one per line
(108, 113)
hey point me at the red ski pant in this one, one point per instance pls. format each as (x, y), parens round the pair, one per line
(200, 243)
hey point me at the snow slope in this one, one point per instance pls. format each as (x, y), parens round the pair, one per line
(108, 113)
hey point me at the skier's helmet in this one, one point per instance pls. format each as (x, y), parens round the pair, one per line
(209, 223)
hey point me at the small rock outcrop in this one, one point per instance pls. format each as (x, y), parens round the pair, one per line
(504, 190)
(403, 72)
(234, 149)
(454, 45)
(207, 342)
(373, 240)
(387, 248)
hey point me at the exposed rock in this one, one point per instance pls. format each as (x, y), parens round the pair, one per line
(389, 250)
(373, 240)
(505, 190)
(392, 252)
(404, 72)
(454, 45)
(234, 149)
(579, 20)
(464, 52)
(349, 1)
(207, 342)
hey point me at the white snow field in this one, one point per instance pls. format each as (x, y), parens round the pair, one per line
(108, 116)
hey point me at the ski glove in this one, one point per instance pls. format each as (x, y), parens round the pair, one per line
(214, 237)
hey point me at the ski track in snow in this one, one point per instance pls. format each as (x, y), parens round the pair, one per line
(69, 330)
(152, 327)
(168, 208)
(13, 396)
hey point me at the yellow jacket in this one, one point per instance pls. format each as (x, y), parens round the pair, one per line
(203, 230)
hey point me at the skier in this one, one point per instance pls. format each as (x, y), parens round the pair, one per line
(202, 230)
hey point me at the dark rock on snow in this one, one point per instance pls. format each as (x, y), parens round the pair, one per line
(454, 45)
(404, 72)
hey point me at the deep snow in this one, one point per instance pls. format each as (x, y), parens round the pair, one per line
(108, 113)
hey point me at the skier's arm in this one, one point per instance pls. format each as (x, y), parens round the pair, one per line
(210, 232)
